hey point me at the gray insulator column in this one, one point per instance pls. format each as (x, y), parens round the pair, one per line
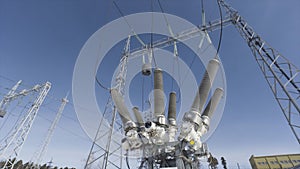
(159, 101)
(138, 116)
(172, 109)
(206, 83)
(121, 107)
(213, 103)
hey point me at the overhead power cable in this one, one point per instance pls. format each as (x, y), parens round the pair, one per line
(101, 85)
(166, 19)
(221, 30)
(16, 121)
(132, 30)
(151, 40)
(63, 128)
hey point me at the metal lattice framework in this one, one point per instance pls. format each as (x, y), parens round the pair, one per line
(181, 36)
(98, 154)
(281, 75)
(7, 98)
(40, 154)
(12, 145)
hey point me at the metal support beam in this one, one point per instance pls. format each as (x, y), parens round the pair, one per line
(180, 37)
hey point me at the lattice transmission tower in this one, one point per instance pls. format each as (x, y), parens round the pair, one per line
(101, 155)
(281, 74)
(12, 145)
(42, 151)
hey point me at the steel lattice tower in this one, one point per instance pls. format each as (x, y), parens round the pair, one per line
(101, 155)
(281, 75)
(42, 151)
(12, 145)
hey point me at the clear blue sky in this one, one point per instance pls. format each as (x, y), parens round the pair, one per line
(40, 41)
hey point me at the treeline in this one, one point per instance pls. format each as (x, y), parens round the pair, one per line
(29, 165)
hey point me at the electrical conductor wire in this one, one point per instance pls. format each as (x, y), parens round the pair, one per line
(221, 30)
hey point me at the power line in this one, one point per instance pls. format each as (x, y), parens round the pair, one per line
(16, 122)
(221, 30)
(101, 85)
(65, 129)
(131, 28)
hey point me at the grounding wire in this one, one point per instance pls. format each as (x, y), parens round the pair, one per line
(101, 85)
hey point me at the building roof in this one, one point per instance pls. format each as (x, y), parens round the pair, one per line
(296, 167)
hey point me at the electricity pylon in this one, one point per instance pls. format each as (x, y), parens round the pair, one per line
(42, 151)
(101, 155)
(12, 145)
(281, 75)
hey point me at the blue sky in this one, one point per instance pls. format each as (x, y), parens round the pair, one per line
(40, 41)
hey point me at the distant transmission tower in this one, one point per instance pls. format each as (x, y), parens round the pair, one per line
(7, 98)
(43, 149)
(12, 145)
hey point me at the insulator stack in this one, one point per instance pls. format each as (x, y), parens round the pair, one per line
(138, 116)
(159, 101)
(213, 103)
(121, 107)
(205, 85)
(172, 109)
